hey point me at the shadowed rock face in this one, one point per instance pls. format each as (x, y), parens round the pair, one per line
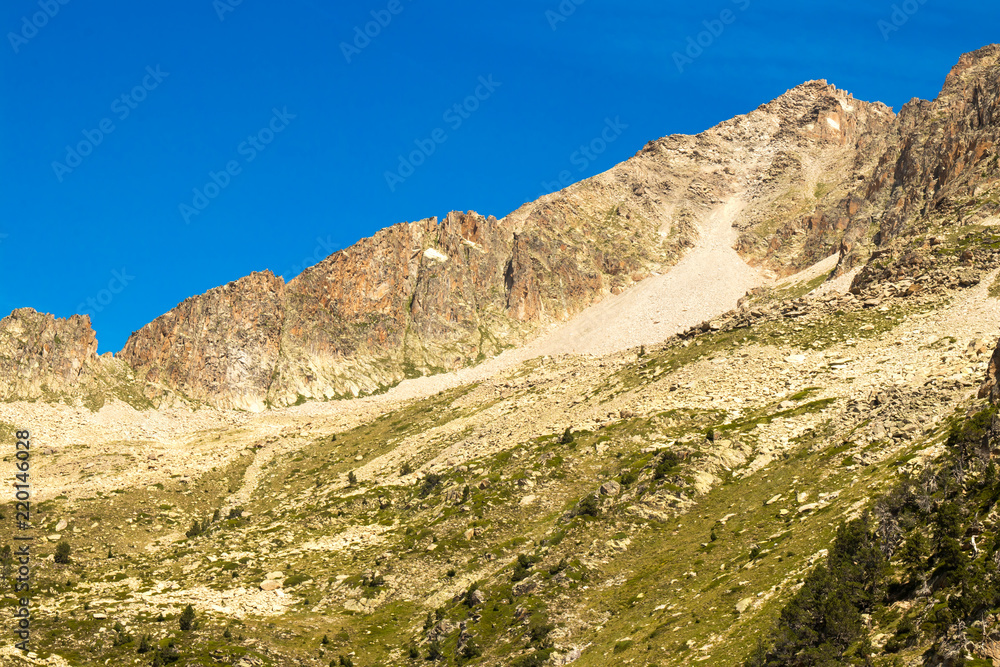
(807, 174)
(41, 355)
(991, 388)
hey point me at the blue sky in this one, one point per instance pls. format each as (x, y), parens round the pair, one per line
(150, 153)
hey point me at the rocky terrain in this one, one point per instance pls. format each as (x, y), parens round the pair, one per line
(635, 421)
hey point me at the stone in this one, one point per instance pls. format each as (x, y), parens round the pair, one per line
(270, 585)
(611, 488)
(525, 587)
(743, 605)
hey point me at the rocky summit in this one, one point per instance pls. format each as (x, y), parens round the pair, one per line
(732, 402)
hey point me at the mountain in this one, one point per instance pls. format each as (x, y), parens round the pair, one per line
(797, 468)
(430, 296)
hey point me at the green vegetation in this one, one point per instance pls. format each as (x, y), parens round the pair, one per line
(62, 555)
(924, 530)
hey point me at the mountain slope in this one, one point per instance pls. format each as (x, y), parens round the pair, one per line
(665, 505)
(427, 297)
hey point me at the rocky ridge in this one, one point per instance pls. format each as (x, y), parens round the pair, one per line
(433, 296)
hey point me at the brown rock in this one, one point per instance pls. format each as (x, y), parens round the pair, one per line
(41, 355)
(991, 387)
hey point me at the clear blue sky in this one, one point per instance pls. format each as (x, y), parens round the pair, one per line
(197, 88)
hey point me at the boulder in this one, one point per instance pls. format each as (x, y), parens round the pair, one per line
(611, 488)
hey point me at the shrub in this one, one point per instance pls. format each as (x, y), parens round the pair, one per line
(470, 596)
(194, 530)
(556, 569)
(145, 645)
(434, 651)
(567, 436)
(539, 632)
(186, 620)
(431, 482)
(235, 513)
(167, 654)
(352, 479)
(589, 506)
(62, 553)
(522, 567)
(406, 469)
(628, 478)
(122, 637)
(669, 462)
(471, 649)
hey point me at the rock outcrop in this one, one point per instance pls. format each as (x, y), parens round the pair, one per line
(940, 167)
(42, 356)
(221, 347)
(991, 387)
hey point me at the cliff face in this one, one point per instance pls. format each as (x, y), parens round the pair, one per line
(940, 168)
(41, 356)
(220, 347)
(810, 173)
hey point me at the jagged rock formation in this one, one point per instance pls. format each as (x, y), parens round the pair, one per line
(991, 387)
(55, 360)
(42, 356)
(941, 166)
(807, 174)
(427, 296)
(220, 347)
